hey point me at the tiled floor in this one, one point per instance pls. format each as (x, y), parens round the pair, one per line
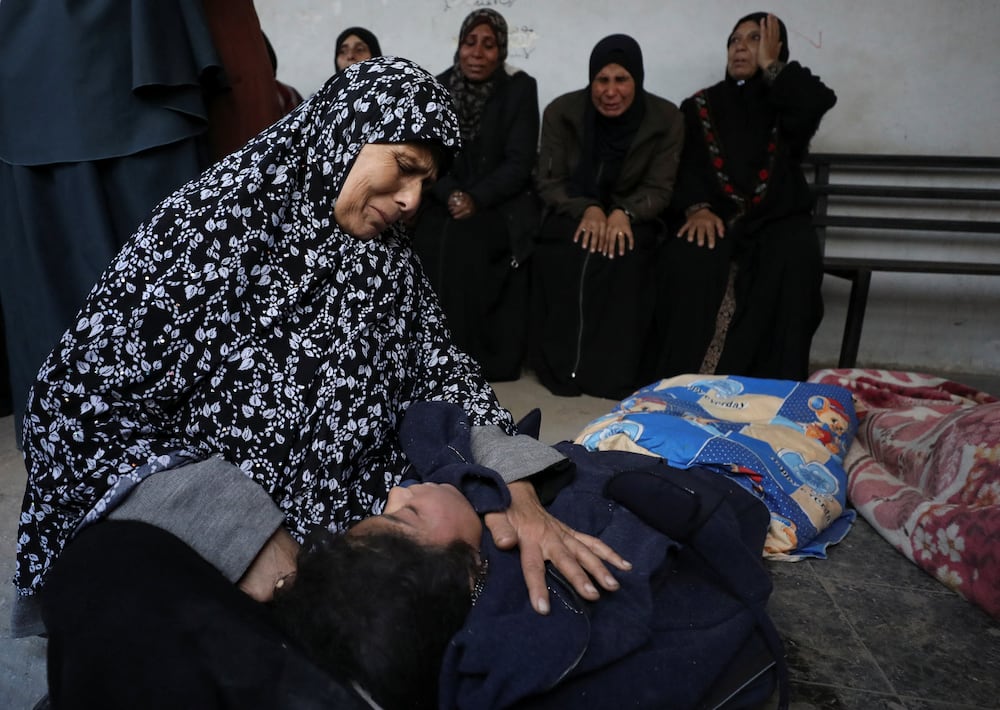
(864, 629)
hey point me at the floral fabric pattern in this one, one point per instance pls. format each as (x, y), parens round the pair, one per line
(925, 472)
(240, 321)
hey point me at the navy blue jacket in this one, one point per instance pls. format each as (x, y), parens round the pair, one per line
(661, 640)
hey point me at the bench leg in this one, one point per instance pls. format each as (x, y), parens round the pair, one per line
(860, 283)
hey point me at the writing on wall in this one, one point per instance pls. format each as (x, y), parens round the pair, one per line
(459, 4)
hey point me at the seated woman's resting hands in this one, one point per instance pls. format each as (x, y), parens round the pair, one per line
(591, 228)
(618, 235)
(704, 227)
(461, 205)
(605, 234)
(579, 557)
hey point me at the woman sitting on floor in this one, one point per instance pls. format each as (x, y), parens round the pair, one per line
(353, 45)
(739, 286)
(478, 224)
(605, 173)
(237, 379)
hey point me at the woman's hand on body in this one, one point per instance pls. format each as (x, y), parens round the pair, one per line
(275, 561)
(579, 557)
(461, 205)
(589, 233)
(704, 227)
(770, 42)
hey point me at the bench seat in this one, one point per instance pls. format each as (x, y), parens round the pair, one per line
(875, 197)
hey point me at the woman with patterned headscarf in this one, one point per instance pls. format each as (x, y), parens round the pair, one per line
(237, 378)
(476, 230)
(605, 172)
(740, 285)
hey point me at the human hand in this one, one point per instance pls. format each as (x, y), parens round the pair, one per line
(541, 537)
(618, 235)
(704, 227)
(769, 48)
(590, 232)
(461, 205)
(275, 561)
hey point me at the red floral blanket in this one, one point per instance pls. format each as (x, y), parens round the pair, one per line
(925, 472)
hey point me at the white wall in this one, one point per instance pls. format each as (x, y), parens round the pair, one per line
(912, 76)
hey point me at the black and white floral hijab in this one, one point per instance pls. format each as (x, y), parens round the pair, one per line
(240, 321)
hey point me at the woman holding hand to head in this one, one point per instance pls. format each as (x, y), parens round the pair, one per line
(740, 283)
(605, 173)
(477, 227)
(236, 380)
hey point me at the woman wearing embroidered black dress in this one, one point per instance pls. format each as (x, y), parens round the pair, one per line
(742, 200)
(476, 229)
(606, 170)
(238, 374)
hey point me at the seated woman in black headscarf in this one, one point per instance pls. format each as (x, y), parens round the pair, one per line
(355, 44)
(605, 173)
(477, 226)
(740, 285)
(235, 380)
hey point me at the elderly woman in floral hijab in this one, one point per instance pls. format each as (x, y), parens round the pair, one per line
(237, 376)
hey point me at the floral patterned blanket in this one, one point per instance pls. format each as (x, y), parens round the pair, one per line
(925, 472)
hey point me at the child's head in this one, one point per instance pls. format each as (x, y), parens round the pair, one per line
(430, 513)
(379, 608)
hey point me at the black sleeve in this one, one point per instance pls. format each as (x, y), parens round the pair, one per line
(695, 183)
(549, 482)
(520, 141)
(801, 100)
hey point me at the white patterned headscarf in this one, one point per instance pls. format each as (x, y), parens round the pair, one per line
(240, 321)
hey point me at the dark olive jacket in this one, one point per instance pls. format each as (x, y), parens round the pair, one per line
(646, 181)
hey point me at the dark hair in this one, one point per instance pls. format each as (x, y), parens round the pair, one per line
(379, 609)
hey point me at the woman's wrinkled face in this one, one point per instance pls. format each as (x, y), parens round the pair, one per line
(351, 51)
(385, 185)
(612, 90)
(479, 54)
(431, 513)
(742, 50)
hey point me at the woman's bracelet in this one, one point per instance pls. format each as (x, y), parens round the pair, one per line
(697, 206)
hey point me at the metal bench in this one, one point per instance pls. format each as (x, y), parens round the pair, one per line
(853, 193)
